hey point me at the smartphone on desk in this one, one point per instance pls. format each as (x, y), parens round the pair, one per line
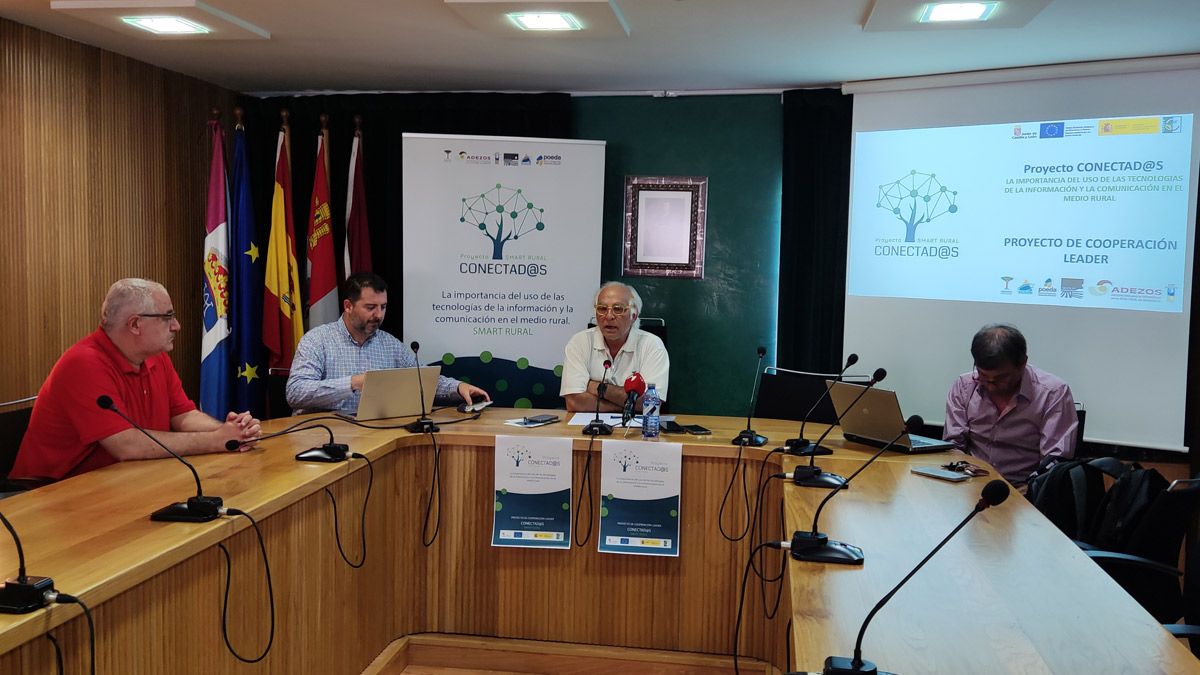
(696, 430)
(940, 473)
(671, 427)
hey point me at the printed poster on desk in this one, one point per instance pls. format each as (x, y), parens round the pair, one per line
(501, 247)
(533, 492)
(639, 497)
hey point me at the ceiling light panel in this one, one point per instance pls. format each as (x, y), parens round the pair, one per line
(164, 19)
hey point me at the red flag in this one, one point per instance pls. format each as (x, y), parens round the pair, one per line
(322, 270)
(282, 325)
(357, 247)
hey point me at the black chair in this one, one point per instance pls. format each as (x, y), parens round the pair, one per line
(1190, 629)
(277, 405)
(1147, 566)
(1080, 413)
(789, 394)
(14, 420)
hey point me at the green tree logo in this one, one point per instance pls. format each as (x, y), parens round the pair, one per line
(626, 459)
(915, 199)
(512, 215)
(519, 453)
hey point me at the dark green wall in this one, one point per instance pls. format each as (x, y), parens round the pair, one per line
(714, 323)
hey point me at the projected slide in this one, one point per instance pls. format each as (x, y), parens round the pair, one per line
(1079, 213)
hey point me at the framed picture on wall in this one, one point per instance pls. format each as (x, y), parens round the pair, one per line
(664, 226)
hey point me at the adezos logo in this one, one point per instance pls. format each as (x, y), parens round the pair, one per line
(473, 157)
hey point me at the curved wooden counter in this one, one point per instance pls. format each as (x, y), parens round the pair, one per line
(1009, 594)
(156, 587)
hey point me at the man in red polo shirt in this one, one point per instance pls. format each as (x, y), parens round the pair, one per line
(126, 360)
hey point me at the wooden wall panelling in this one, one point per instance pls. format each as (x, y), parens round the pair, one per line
(104, 177)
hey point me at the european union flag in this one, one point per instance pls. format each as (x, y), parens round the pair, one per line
(1050, 130)
(246, 263)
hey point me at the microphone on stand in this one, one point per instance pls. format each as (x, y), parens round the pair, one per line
(801, 446)
(424, 425)
(329, 452)
(198, 509)
(994, 493)
(816, 546)
(748, 436)
(811, 475)
(635, 387)
(25, 593)
(598, 427)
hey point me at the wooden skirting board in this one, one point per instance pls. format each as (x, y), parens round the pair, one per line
(428, 652)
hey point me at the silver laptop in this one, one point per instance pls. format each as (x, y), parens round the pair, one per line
(876, 419)
(394, 392)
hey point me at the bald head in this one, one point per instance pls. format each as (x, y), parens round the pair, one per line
(126, 298)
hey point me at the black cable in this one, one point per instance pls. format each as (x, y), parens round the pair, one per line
(725, 499)
(757, 533)
(336, 532)
(64, 598)
(762, 586)
(57, 652)
(787, 641)
(435, 485)
(228, 577)
(737, 626)
(585, 483)
(350, 420)
(456, 421)
(770, 609)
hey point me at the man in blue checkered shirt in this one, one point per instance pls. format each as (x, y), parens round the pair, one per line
(330, 362)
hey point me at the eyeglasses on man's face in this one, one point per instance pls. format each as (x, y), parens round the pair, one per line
(166, 316)
(996, 378)
(615, 310)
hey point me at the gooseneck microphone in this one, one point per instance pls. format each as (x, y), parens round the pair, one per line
(635, 387)
(424, 425)
(811, 475)
(748, 436)
(816, 546)
(994, 494)
(199, 509)
(329, 452)
(25, 593)
(801, 446)
(598, 427)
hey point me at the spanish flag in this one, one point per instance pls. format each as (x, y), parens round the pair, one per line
(283, 324)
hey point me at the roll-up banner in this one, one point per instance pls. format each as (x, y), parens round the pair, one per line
(501, 257)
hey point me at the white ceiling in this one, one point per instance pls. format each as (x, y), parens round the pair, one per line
(673, 45)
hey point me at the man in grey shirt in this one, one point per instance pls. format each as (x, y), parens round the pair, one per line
(330, 362)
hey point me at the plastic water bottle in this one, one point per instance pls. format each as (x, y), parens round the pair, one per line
(650, 405)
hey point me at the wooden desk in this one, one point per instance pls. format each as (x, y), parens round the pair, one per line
(156, 587)
(1008, 594)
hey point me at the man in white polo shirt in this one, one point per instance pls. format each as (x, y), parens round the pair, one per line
(616, 338)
